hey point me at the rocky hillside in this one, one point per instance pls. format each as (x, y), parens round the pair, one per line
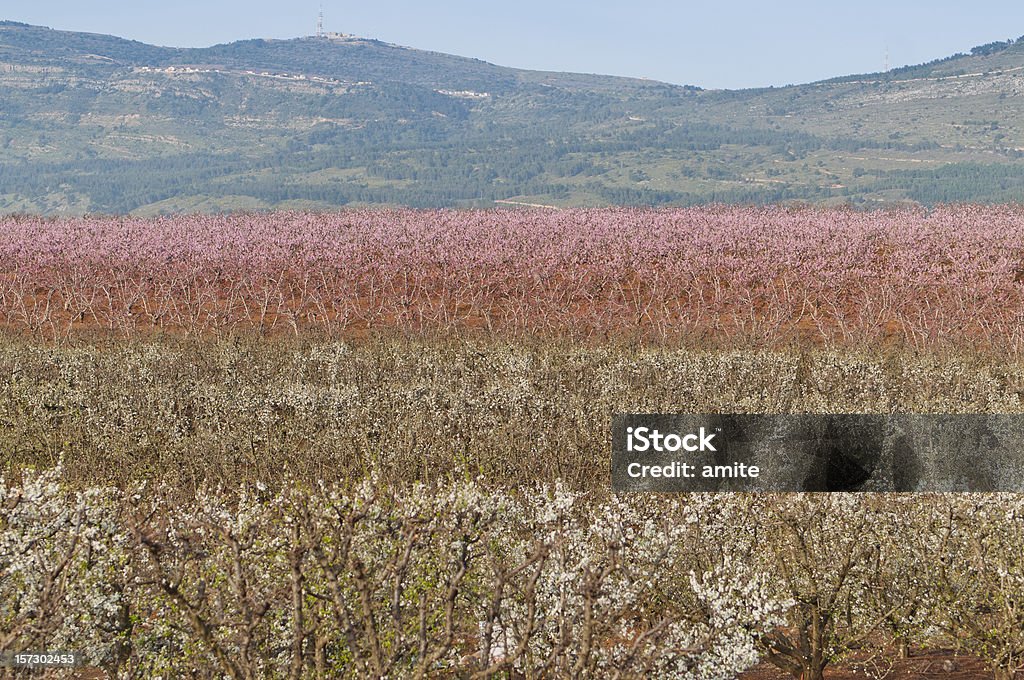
(93, 123)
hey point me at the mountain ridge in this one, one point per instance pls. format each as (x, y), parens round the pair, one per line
(97, 123)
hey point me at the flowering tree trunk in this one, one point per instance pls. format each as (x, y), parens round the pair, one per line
(805, 658)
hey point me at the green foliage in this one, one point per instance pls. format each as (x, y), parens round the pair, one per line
(93, 123)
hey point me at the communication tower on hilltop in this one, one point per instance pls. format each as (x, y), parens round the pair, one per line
(320, 22)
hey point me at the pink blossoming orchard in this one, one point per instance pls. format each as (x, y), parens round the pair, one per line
(703, 275)
(375, 443)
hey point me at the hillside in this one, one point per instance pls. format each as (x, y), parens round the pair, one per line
(93, 123)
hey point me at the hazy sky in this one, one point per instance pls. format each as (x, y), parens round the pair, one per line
(728, 43)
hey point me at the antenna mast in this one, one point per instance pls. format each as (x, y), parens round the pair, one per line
(320, 22)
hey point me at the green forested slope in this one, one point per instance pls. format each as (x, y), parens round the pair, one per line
(92, 123)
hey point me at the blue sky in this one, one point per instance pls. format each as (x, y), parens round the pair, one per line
(725, 44)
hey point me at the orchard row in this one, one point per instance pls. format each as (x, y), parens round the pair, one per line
(218, 411)
(712, 275)
(456, 581)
